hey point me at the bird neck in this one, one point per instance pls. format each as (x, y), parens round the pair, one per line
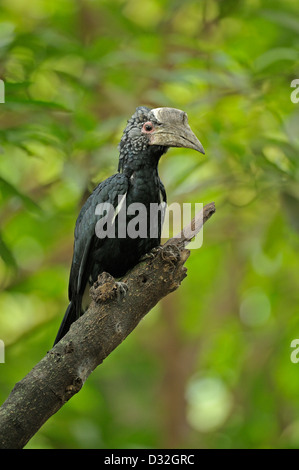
(143, 162)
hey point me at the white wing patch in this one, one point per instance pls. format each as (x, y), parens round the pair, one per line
(119, 206)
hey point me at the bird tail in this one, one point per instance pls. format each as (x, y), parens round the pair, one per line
(69, 317)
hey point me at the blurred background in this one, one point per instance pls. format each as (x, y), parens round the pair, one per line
(210, 366)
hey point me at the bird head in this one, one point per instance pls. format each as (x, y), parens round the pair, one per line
(150, 132)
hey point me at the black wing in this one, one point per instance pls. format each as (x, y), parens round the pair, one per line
(87, 244)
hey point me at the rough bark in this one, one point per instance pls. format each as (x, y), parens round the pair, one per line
(107, 322)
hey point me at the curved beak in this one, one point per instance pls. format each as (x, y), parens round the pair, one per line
(173, 130)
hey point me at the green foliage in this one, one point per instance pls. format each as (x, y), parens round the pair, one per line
(210, 366)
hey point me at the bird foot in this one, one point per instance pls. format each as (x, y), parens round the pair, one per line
(106, 288)
(121, 290)
(151, 254)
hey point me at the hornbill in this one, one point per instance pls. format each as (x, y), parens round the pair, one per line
(148, 135)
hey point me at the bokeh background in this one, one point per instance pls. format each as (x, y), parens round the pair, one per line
(210, 366)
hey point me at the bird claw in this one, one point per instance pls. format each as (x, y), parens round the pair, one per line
(151, 254)
(106, 288)
(121, 290)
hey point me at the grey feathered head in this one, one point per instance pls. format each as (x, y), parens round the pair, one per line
(152, 131)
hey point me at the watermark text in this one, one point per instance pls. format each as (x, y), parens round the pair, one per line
(139, 221)
(295, 93)
(2, 91)
(2, 352)
(295, 353)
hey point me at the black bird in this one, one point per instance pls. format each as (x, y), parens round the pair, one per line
(148, 135)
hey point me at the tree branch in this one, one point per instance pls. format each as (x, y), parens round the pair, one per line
(107, 322)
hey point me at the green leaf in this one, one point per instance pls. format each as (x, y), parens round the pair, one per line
(9, 190)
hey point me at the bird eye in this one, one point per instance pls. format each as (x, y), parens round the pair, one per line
(147, 127)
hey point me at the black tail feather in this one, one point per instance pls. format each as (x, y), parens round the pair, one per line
(69, 317)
